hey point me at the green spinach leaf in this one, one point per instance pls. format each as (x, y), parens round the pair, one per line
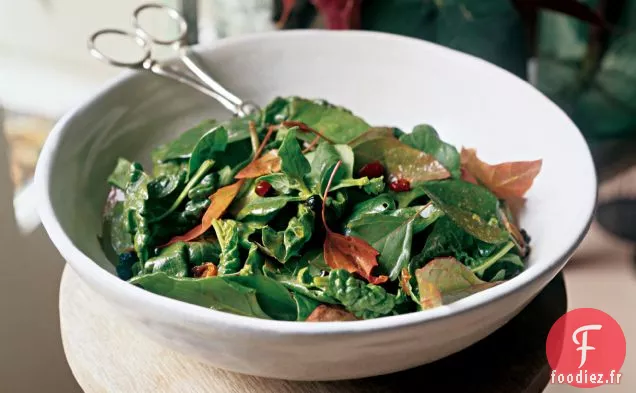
(336, 123)
(172, 260)
(254, 296)
(206, 148)
(227, 233)
(425, 138)
(472, 207)
(286, 244)
(183, 146)
(363, 300)
(293, 163)
(391, 234)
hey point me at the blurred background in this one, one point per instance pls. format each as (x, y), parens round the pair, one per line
(581, 54)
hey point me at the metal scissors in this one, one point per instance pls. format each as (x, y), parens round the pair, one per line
(199, 79)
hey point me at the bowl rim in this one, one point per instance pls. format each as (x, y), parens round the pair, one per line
(105, 282)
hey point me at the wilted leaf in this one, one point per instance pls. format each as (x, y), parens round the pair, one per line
(324, 313)
(267, 164)
(508, 179)
(445, 280)
(400, 160)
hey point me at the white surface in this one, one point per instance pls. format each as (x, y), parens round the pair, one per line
(469, 101)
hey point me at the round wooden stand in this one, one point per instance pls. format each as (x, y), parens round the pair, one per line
(107, 355)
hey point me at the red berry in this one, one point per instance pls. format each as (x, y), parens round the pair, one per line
(372, 169)
(400, 185)
(263, 188)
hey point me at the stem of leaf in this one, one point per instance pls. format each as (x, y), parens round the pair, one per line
(324, 197)
(203, 169)
(491, 261)
(254, 137)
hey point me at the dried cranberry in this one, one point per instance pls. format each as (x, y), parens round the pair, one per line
(372, 169)
(263, 188)
(399, 185)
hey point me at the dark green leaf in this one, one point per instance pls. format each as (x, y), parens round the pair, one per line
(272, 296)
(121, 174)
(404, 199)
(115, 230)
(135, 209)
(484, 265)
(254, 262)
(206, 148)
(336, 123)
(426, 139)
(202, 252)
(286, 244)
(363, 300)
(248, 296)
(304, 305)
(377, 205)
(196, 177)
(472, 207)
(282, 183)
(263, 207)
(172, 260)
(169, 177)
(183, 146)
(293, 163)
(325, 159)
(228, 235)
(391, 234)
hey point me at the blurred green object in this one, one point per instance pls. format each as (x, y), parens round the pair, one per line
(585, 51)
(591, 75)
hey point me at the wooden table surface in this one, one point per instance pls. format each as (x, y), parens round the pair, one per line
(107, 355)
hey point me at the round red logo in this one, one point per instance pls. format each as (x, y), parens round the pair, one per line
(586, 348)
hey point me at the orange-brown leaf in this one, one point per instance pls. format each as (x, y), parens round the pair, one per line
(348, 252)
(352, 254)
(507, 179)
(405, 279)
(324, 313)
(208, 269)
(267, 164)
(219, 202)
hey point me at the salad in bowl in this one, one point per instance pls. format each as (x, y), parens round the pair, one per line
(305, 212)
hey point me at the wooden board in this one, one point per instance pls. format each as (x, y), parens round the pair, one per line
(107, 355)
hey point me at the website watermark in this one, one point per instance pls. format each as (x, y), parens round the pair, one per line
(586, 348)
(586, 377)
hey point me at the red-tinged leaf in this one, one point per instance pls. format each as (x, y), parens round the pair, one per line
(219, 202)
(339, 14)
(352, 254)
(467, 176)
(324, 313)
(506, 180)
(265, 165)
(400, 160)
(349, 252)
(445, 280)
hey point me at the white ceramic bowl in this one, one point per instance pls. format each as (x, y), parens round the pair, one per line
(386, 79)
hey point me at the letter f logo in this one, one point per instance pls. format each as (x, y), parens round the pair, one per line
(583, 344)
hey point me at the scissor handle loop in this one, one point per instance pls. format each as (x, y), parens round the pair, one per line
(140, 41)
(182, 24)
